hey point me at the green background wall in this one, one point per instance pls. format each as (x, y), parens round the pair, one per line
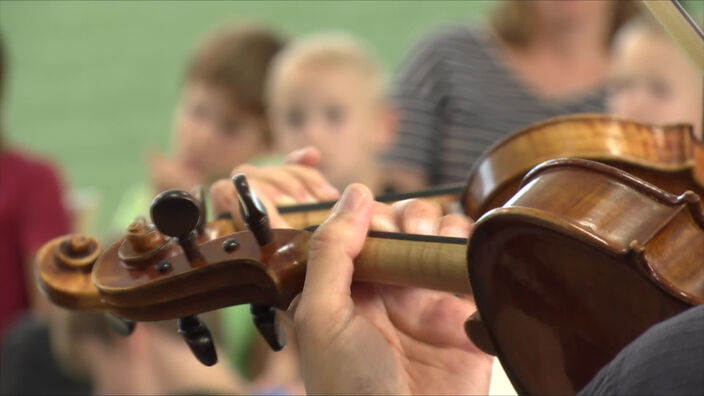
(93, 84)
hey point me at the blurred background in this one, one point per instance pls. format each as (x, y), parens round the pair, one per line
(93, 85)
(116, 97)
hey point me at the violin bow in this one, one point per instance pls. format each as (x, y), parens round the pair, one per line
(680, 25)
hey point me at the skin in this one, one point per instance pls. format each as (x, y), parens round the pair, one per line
(334, 107)
(566, 57)
(362, 338)
(211, 136)
(153, 361)
(653, 81)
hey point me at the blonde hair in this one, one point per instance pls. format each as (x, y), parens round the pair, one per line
(330, 50)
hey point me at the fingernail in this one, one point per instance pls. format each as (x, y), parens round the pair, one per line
(284, 200)
(351, 200)
(295, 156)
(422, 226)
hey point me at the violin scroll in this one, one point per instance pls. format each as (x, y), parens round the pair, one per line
(64, 267)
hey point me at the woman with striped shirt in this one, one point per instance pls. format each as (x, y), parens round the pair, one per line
(463, 89)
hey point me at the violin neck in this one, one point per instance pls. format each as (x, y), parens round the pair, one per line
(429, 262)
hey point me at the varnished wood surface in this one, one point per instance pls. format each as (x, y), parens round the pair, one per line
(670, 157)
(271, 275)
(577, 264)
(429, 265)
(67, 285)
(564, 277)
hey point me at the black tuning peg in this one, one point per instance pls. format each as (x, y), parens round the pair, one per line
(253, 212)
(198, 338)
(198, 193)
(256, 219)
(176, 213)
(268, 325)
(121, 326)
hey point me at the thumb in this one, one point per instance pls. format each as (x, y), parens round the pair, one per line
(332, 250)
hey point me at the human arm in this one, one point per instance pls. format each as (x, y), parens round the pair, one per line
(364, 338)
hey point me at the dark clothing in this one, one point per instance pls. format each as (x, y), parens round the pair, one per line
(457, 96)
(28, 366)
(668, 359)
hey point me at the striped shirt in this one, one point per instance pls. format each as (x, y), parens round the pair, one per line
(456, 98)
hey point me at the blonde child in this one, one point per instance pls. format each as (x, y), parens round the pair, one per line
(329, 92)
(652, 78)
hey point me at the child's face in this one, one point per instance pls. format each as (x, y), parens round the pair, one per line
(653, 81)
(333, 108)
(211, 135)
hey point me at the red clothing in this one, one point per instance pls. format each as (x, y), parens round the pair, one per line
(31, 213)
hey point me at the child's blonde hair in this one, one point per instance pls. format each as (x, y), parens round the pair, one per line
(331, 50)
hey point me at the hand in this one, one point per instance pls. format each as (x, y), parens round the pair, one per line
(366, 338)
(296, 182)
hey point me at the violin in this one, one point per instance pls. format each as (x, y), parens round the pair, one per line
(576, 264)
(583, 259)
(670, 157)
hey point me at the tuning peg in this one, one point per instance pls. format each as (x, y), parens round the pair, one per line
(121, 326)
(253, 212)
(268, 325)
(198, 193)
(176, 213)
(198, 338)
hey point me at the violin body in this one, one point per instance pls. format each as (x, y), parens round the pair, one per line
(571, 267)
(670, 157)
(576, 265)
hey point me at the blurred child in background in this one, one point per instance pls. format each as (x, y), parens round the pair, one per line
(220, 122)
(329, 92)
(652, 79)
(31, 213)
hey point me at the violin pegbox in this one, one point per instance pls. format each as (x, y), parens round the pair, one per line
(147, 275)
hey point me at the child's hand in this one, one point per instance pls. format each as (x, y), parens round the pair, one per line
(295, 182)
(166, 173)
